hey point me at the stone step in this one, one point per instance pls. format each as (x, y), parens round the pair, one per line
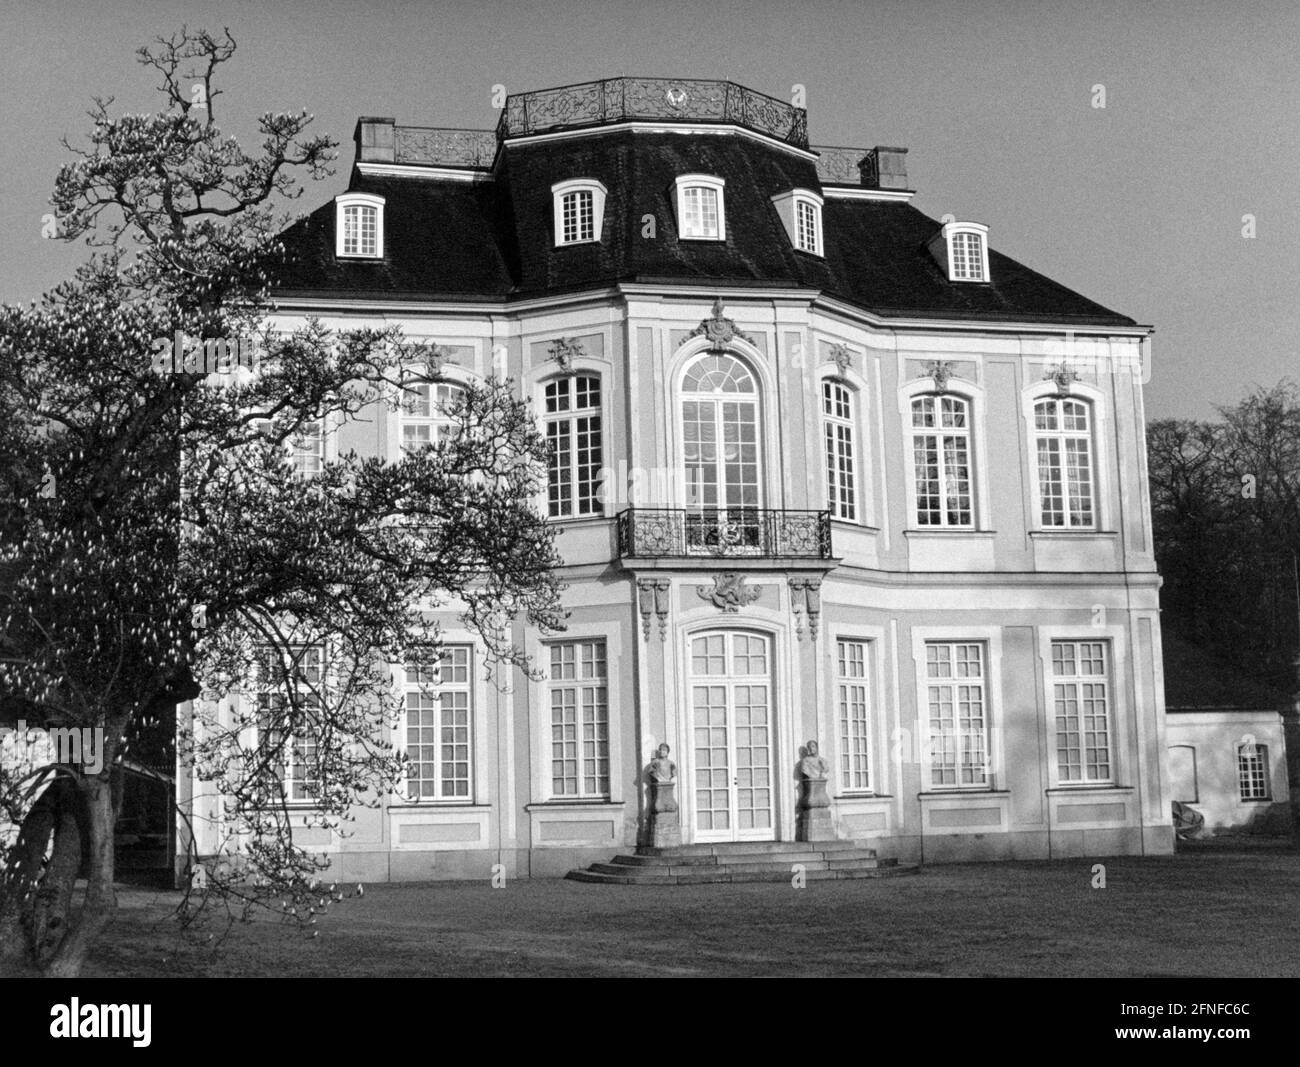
(698, 876)
(723, 848)
(805, 856)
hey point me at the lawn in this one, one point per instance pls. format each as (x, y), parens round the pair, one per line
(1206, 914)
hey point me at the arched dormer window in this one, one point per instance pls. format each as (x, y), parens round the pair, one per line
(701, 215)
(961, 250)
(838, 429)
(359, 226)
(573, 428)
(579, 211)
(1063, 446)
(941, 460)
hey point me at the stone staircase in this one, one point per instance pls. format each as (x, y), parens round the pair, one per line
(742, 861)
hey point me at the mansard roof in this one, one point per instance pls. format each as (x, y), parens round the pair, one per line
(475, 223)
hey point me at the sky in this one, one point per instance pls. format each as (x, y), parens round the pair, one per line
(1139, 205)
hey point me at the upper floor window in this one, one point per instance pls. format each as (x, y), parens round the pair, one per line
(801, 214)
(359, 226)
(573, 438)
(430, 413)
(1252, 771)
(837, 423)
(1081, 704)
(700, 211)
(1063, 440)
(961, 249)
(579, 210)
(941, 448)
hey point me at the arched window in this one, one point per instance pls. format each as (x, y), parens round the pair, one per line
(941, 449)
(720, 438)
(430, 413)
(359, 226)
(700, 212)
(1063, 441)
(579, 210)
(573, 437)
(841, 476)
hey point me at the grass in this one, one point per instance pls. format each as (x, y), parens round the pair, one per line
(1206, 914)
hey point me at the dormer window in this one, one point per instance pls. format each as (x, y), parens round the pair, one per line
(801, 215)
(962, 250)
(359, 226)
(700, 213)
(579, 206)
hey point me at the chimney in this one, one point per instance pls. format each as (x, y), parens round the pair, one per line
(885, 168)
(375, 140)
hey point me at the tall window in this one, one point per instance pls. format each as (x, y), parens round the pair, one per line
(841, 486)
(941, 460)
(967, 257)
(854, 707)
(577, 688)
(958, 710)
(700, 213)
(1063, 437)
(307, 449)
(429, 415)
(439, 713)
(288, 702)
(1081, 702)
(578, 217)
(574, 443)
(1252, 771)
(806, 225)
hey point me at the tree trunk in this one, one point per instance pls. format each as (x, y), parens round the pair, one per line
(53, 898)
(96, 914)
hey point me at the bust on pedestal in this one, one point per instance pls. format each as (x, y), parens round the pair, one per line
(813, 808)
(664, 823)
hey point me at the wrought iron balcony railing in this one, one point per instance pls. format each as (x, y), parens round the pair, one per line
(660, 99)
(734, 532)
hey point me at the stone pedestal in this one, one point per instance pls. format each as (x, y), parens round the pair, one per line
(665, 823)
(813, 812)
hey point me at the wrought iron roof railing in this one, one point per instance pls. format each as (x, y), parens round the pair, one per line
(610, 100)
(648, 533)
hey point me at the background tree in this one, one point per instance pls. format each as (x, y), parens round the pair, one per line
(177, 548)
(1226, 509)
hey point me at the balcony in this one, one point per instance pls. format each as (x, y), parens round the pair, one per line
(737, 533)
(600, 103)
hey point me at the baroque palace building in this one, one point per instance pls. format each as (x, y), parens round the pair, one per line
(824, 469)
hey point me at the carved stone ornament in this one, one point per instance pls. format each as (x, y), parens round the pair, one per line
(653, 597)
(729, 592)
(806, 603)
(677, 97)
(843, 357)
(1062, 376)
(719, 331)
(564, 350)
(940, 370)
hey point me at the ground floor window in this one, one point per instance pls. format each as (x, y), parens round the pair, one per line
(1252, 771)
(958, 714)
(1081, 705)
(577, 686)
(854, 713)
(439, 717)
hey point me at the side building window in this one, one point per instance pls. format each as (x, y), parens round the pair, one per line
(958, 715)
(573, 438)
(1252, 771)
(1063, 441)
(841, 481)
(577, 688)
(439, 723)
(1081, 705)
(855, 714)
(941, 449)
